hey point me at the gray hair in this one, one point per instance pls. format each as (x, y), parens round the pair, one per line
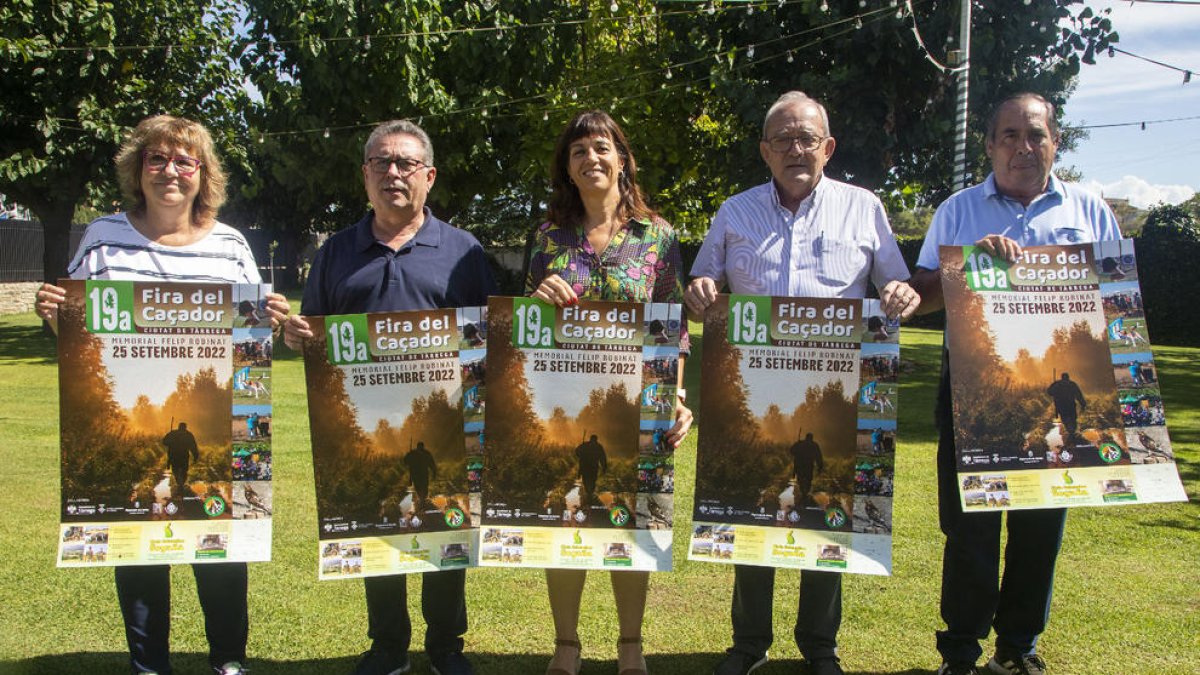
(794, 98)
(400, 127)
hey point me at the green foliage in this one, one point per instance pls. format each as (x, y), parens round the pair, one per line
(690, 87)
(911, 223)
(313, 73)
(1167, 250)
(72, 89)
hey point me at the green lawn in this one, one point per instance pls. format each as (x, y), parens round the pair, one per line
(1127, 601)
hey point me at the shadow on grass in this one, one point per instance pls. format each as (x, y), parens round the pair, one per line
(86, 663)
(28, 343)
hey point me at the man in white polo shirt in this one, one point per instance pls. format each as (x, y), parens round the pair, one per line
(799, 234)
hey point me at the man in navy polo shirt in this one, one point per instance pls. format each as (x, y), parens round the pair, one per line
(1020, 204)
(400, 257)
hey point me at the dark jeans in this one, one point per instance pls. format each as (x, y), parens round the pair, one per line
(443, 604)
(974, 600)
(144, 592)
(817, 620)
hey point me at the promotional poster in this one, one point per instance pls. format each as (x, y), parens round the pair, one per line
(1056, 399)
(579, 473)
(795, 464)
(395, 404)
(165, 411)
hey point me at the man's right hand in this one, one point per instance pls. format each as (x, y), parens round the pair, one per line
(699, 294)
(295, 331)
(1000, 246)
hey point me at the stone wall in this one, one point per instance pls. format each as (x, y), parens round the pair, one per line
(17, 297)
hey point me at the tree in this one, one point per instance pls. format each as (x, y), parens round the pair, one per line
(75, 83)
(889, 106)
(1167, 249)
(316, 69)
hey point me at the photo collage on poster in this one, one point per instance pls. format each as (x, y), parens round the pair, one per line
(396, 401)
(796, 460)
(579, 470)
(1146, 439)
(1055, 392)
(165, 418)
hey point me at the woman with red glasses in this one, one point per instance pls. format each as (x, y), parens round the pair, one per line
(173, 183)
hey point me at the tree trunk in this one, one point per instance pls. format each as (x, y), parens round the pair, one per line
(56, 242)
(56, 239)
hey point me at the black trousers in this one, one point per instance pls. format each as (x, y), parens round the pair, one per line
(974, 599)
(443, 605)
(144, 592)
(817, 620)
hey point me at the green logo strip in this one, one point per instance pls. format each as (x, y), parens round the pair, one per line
(749, 319)
(109, 306)
(984, 272)
(347, 339)
(533, 324)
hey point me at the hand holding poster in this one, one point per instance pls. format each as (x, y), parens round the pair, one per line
(796, 457)
(387, 397)
(1055, 394)
(578, 470)
(165, 416)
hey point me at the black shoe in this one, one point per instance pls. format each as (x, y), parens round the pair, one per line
(738, 663)
(450, 663)
(382, 662)
(824, 666)
(1009, 664)
(957, 668)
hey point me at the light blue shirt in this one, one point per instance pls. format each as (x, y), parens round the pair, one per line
(835, 241)
(1063, 214)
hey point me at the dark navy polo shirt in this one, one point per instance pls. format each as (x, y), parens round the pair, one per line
(441, 266)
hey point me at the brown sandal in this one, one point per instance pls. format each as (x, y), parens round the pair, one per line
(630, 671)
(578, 658)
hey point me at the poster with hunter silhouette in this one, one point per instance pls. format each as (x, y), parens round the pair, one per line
(795, 463)
(1054, 392)
(394, 401)
(154, 466)
(578, 472)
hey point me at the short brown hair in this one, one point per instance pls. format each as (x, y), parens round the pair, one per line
(172, 131)
(566, 207)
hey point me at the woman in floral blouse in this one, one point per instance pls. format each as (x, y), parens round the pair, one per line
(602, 242)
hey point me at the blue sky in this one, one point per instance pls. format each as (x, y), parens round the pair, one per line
(1161, 163)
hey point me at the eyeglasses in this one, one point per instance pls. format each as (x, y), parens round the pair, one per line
(807, 142)
(185, 166)
(405, 165)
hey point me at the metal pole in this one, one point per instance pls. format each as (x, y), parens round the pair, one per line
(960, 115)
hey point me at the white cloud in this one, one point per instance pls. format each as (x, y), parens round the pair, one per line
(1139, 192)
(1144, 18)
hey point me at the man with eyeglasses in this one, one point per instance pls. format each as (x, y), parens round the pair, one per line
(799, 234)
(1020, 204)
(400, 257)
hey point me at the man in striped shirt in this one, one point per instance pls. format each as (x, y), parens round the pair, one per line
(800, 235)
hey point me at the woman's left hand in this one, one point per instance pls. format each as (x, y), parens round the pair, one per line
(278, 308)
(683, 422)
(556, 290)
